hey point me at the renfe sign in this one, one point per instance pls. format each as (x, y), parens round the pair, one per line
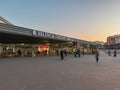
(50, 35)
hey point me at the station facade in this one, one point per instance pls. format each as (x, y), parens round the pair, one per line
(20, 41)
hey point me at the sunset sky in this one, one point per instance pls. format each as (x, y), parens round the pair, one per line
(90, 20)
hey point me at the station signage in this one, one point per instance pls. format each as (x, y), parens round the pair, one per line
(50, 35)
(34, 32)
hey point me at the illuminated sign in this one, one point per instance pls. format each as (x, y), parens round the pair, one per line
(43, 46)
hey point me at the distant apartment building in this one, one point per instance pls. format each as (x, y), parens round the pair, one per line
(115, 39)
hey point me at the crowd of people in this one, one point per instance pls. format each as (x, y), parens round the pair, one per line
(78, 52)
(114, 53)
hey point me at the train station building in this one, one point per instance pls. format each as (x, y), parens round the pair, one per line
(21, 41)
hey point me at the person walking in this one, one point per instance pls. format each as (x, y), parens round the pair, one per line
(97, 56)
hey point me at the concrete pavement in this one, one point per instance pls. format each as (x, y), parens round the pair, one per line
(51, 73)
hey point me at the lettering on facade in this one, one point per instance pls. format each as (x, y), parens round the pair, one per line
(52, 36)
(34, 32)
(42, 34)
(68, 39)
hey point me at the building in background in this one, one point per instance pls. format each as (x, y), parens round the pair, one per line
(113, 42)
(115, 39)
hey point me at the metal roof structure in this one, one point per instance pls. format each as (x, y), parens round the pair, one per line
(2, 20)
(12, 34)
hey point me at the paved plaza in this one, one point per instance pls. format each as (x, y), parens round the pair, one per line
(51, 73)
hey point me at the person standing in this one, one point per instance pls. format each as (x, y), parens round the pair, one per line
(109, 53)
(33, 53)
(97, 56)
(115, 53)
(78, 52)
(57, 52)
(65, 53)
(75, 52)
(62, 54)
(83, 52)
